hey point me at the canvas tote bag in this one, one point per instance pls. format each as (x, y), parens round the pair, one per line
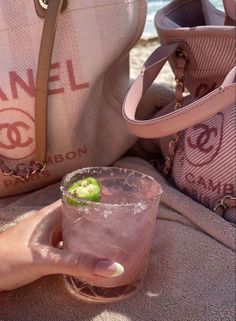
(198, 131)
(60, 101)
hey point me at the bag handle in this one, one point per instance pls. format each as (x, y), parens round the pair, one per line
(180, 119)
(41, 96)
(230, 11)
(44, 63)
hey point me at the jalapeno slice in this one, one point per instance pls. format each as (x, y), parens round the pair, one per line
(88, 189)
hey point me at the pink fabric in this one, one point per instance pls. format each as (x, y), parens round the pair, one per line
(209, 44)
(204, 165)
(230, 8)
(89, 77)
(190, 275)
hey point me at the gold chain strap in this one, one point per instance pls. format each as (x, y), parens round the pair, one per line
(23, 174)
(179, 90)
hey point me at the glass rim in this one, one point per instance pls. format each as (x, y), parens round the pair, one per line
(64, 192)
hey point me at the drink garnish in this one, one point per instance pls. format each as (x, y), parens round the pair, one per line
(87, 189)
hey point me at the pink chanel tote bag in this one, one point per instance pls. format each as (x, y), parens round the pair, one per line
(199, 42)
(60, 101)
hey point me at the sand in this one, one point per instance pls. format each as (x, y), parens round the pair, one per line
(141, 52)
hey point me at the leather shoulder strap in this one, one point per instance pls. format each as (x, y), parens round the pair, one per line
(44, 62)
(41, 98)
(190, 115)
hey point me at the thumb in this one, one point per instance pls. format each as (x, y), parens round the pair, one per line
(80, 264)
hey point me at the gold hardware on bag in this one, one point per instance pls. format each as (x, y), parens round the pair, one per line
(182, 58)
(43, 4)
(181, 53)
(22, 174)
(226, 203)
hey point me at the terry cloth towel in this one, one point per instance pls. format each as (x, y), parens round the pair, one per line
(191, 273)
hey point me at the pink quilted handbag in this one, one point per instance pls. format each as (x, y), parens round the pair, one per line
(199, 42)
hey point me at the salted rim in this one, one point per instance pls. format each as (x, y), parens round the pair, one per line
(88, 169)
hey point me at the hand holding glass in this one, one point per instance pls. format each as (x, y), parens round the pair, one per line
(119, 228)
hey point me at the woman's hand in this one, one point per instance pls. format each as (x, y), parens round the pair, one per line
(28, 251)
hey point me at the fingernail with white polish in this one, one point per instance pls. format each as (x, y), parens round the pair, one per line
(108, 268)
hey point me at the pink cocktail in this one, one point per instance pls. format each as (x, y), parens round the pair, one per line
(119, 228)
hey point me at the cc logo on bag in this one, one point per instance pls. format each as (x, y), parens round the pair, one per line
(203, 141)
(16, 134)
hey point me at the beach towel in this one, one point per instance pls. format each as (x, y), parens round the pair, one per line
(190, 276)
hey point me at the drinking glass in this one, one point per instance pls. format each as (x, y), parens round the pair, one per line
(119, 228)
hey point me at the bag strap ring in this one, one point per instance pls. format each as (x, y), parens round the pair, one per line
(226, 208)
(225, 204)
